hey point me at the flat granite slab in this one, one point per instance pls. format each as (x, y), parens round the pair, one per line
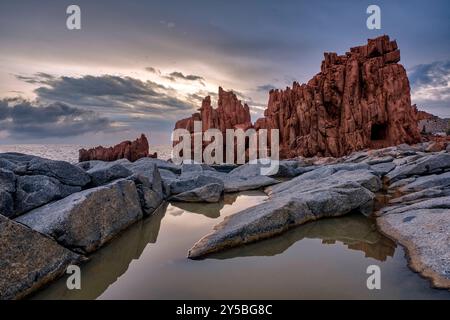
(29, 260)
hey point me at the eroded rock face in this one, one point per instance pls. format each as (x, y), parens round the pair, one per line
(131, 150)
(358, 100)
(28, 260)
(229, 114)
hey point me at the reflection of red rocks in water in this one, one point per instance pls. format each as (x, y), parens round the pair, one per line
(131, 150)
(383, 249)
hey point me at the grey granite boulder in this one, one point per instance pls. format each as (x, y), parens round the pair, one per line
(208, 193)
(425, 182)
(7, 190)
(383, 168)
(6, 164)
(194, 182)
(224, 167)
(29, 260)
(328, 175)
(7, 180)
(247, 170)
(237, 184)
(144, 163)
(104, 172)
(35, 191)
(144, 173)
(16, 158)
(84, 221)
(424, 229)
(435, 163)
(377, 160)
(88, 165)
(247, 177)
(409, 198)
(292, 204)
(167, 178)
(151, 189)
(282, 169)
(63, 171)
(6, 204)
(150, 194)
(66, 173)
(187, 168)
(148, 168)
(291, 168)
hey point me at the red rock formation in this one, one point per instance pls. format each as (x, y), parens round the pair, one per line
(229, 114)
(131, 150)
(359, 100)
(422, 115)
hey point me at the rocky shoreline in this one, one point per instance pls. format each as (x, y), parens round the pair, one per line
(54, 214)
(406, 188)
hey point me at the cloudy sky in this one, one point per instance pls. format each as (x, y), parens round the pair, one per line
(138, 66)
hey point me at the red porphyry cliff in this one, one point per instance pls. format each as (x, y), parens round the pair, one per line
(359, 100)
(131, 150)
(229, 114)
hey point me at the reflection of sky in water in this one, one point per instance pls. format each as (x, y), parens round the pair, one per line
(323, 259)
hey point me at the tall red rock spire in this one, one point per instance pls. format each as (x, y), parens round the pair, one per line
(229, 114)
(359, 100)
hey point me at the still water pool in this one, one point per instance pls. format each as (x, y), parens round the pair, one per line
(326, 259)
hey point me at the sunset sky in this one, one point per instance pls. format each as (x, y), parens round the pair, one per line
(138, 66)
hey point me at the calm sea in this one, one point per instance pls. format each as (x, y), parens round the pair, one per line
(68, 152)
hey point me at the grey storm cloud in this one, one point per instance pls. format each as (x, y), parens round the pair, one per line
(114, 95)
(430, 87)
(153, 70)
(38, 78)
(176, 75)
(24, 119)
(265, 87)
(432, 74)
(197, 97)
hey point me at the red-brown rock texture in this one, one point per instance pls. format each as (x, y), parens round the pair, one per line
(359, 100)
(131, 150)
(422, 115)
(229, 114)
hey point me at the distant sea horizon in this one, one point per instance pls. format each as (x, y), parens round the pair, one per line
(69, 152)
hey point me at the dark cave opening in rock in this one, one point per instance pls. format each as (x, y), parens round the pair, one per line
(378, 132)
